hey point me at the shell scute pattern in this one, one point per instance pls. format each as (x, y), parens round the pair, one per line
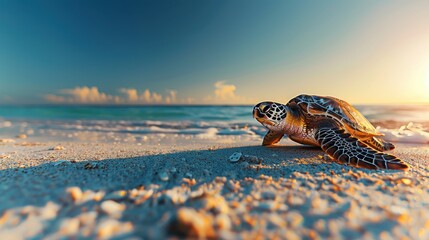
(337, 109)
(354, 152)
(276, 112)
(332, 124)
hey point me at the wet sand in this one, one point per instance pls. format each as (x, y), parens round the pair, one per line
(181, 186)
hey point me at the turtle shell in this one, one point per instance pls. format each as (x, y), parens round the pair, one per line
(338, 109)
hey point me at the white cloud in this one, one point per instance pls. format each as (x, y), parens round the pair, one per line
(224, 91)
(131, 94)
(91, 95)
(171, 97)
(155, 98)
(80, 95)
(225, 94)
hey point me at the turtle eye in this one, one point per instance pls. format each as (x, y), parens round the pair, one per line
(259, 114)
(264, 108)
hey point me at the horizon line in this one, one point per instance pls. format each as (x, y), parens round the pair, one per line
(93, 105)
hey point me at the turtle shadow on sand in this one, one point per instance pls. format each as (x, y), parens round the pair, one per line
(158, 174)
(35, 185)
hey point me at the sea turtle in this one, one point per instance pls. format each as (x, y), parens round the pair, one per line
(330, 123)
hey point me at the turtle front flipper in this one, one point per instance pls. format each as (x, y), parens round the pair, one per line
(379, 144)
(272, 138)
(344, 148)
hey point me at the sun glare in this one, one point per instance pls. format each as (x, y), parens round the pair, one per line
(426, 82)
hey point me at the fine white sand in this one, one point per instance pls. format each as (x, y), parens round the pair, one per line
(185, 186)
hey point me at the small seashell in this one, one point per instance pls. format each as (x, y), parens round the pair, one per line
(235, 157)
(59, 147)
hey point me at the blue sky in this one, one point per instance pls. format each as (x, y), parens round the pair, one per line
(212, 51)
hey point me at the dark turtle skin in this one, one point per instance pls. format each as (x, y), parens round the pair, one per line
(331, 124)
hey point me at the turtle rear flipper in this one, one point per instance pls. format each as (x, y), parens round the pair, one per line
(272, 138)
(379, 144)
(344, 148)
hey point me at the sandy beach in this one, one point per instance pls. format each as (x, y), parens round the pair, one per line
(179, 186)
(145, 119)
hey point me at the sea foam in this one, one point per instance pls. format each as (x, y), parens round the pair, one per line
(410, 133)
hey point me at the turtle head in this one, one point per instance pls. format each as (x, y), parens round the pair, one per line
(270, 114)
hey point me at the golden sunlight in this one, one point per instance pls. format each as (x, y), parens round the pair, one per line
(426, 84)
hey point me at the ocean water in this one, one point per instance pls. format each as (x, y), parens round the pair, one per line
(404, 123)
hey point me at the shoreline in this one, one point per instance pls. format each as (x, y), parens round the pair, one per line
(154, 189)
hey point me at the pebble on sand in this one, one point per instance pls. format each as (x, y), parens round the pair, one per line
(75, 193)
(112, 227)
(189, 223)
(69, 226)
(112, 208)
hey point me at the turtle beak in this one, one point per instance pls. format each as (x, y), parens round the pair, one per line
(260, 117)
